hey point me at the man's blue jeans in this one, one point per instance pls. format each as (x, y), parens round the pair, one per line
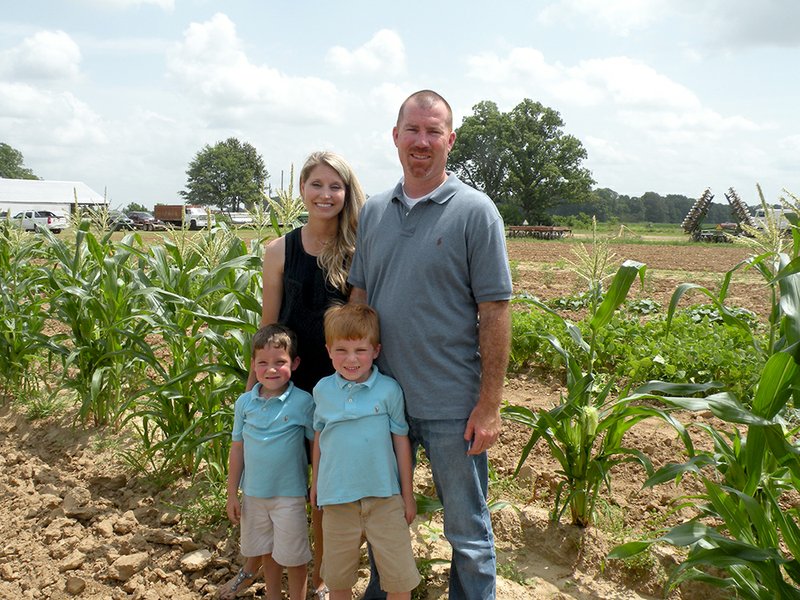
(462, 485)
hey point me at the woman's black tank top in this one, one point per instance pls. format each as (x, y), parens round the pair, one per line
(306, 296)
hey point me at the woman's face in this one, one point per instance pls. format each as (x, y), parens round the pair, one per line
(323, 192)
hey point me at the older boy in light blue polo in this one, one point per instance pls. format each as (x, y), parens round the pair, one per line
(270, 427)
(362, 460)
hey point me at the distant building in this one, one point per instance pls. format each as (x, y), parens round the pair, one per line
(58, 196)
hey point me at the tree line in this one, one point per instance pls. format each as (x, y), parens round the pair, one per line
(607, 205)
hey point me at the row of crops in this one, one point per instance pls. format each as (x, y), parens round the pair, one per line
(744, 534)
(153, 338)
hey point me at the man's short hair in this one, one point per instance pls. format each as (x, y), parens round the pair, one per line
(352, 322)
(275, 336)
(426, 99)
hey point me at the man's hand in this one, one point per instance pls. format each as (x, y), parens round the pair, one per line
(483, 428)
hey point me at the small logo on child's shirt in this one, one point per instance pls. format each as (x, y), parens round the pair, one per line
(377, 410)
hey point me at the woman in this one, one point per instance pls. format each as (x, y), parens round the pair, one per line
(304, 272)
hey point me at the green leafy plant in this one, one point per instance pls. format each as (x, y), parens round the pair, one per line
(23, 307)
(744, 537)
(93, 292)
(205, 311)
(584, 433)
(286, 210)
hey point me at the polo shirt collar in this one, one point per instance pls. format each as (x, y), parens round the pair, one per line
(256, 391)
(341, 382)
(440, 195)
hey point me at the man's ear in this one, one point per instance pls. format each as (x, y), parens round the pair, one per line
(295, 363)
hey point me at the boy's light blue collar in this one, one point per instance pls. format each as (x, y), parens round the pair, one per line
(256, 391)
(341, 382)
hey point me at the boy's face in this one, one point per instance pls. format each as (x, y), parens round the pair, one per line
(352, 359)
(273, 367)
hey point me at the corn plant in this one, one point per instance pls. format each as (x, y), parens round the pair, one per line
(92, 291)
(584, 432)
(287, 210)
(744, 536)
(205, 311)
(22, 306)
(594, 265)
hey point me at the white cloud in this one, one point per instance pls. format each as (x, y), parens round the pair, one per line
(211, 65)
(46, 55)
(618, 16)
(606, 152)
(629, 89)
(738, 23)
(731, 23)
(384, 54)
(631, 83)
(47, 118)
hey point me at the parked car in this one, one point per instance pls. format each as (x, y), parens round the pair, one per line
(240, 219)
(33, 220)
(146, 221)
(119, 220)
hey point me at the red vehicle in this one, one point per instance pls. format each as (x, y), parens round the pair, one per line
(146, 221)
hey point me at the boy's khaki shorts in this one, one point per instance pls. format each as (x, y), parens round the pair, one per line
(277, 526)
(382, 521)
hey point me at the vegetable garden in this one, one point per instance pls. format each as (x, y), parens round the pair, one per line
(650, 434)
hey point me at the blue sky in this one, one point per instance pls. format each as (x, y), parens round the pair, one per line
(670, 96)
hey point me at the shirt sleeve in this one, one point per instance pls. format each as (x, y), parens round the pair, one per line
(318, 424)
(396, 409)
(488, 260)
(238, 419)
(309, 419)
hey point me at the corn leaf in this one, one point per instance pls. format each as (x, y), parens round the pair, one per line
(617, 292)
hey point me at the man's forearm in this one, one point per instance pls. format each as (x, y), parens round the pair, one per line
(494, 339)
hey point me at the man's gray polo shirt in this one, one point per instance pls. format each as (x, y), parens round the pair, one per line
(425, 269)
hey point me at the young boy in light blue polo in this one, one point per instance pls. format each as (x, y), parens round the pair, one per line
(270, 426)
(362, 465)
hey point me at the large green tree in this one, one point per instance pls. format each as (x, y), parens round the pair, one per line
(11, 164)
(522, 159)
(230, 175)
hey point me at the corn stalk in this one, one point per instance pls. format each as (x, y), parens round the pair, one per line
(584, 432)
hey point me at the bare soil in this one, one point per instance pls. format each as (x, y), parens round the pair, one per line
(75, 522)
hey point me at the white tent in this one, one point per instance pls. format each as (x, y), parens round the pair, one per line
(57, 196)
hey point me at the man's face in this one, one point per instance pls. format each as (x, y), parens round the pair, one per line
(423, 141)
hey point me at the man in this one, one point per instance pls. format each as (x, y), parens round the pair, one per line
(431, 259)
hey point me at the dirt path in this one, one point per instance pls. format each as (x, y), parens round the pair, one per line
(74, 525)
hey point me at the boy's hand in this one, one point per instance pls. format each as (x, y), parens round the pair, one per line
(410, 508)
(234, 508)
(312, 497)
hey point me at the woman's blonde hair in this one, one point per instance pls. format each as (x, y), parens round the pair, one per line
(336, 257)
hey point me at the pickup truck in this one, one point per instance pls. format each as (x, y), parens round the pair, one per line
(195, 217)
(33, 220)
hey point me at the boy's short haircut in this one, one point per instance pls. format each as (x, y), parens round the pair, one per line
(277, 336)
(352, 322)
